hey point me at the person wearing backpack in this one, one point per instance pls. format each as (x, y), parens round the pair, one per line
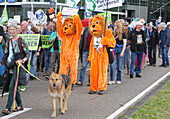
(16, 51)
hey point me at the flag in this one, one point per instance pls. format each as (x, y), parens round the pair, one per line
(4, 16)
(92, 5)
(72, 3)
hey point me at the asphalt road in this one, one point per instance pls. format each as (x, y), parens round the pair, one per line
(81, 105)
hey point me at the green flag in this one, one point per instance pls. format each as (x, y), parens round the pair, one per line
(4, 16)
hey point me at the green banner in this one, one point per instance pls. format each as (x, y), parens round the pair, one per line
(32, 40)
(45, 41)
(4, 16)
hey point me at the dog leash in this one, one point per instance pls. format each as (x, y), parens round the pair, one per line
(30, 73)
(16, 83)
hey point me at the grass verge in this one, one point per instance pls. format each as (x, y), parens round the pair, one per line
(158, 107)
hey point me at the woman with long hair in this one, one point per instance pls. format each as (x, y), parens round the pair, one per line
(119, 54)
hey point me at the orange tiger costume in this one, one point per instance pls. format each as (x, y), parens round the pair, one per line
(70, 34)
(98, 56)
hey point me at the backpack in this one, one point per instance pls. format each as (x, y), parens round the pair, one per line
(20, 47)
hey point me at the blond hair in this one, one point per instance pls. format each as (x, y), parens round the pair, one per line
(119, 30)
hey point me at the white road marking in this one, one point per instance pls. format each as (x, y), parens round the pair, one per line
(4, 94)
(120, 110)
(15, 113)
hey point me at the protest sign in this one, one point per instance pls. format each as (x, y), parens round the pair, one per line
(69, 11)
(17, 18)
(45, 41)
(32, 40)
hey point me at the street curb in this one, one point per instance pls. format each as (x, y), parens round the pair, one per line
(134, 108)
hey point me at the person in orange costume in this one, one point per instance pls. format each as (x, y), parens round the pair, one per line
(70, 34)
(98, 56)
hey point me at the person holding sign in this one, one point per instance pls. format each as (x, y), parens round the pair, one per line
(70, 34)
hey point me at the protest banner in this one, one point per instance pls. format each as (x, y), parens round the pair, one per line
(4, 16)
(32, 40)
(72, 3)
(45, 41)
(93, 5)
(69, 11)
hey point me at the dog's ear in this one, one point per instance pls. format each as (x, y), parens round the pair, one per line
(61, 78)
(52, 73)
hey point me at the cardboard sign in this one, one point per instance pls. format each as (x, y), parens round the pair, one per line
(17, 18)
(69, 11)
(102, 4)
(45, 41)
(32, 40)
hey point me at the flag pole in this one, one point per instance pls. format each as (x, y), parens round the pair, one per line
(105, 21)
(106, 18)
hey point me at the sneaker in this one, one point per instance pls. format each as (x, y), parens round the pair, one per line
(128, 72)
(47, 77)
(118, 82)
(161, 65)
(92, 92)
(79, 83)
(131, 75)
(111, 82)
(45, 74)
(88, 84)
(22, 88)
(101, 92)
(139, 76)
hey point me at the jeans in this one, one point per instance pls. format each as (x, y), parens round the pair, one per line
(139, 61)
(47, 56)
(166, 55)
(11, 94)
(128, 52)
(163, 55)
(33, 62)
(84, 66)
(152, 54)
(118, 63)
(54, 55)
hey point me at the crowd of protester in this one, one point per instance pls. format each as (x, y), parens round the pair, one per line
(135, 48)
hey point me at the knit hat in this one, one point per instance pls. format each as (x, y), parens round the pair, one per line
(12, 23)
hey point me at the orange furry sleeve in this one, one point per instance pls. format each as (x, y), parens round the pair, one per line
(59, 25)
(109, 39)
(78, 24)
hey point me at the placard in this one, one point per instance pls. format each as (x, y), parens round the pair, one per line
(69, 11)
(32, 40)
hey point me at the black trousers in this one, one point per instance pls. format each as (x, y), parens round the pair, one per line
(152, 54)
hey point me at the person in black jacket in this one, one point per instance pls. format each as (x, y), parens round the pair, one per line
(84, 53)
(138, 46)
(153, 41)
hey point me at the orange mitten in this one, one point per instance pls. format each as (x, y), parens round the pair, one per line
(104, 41)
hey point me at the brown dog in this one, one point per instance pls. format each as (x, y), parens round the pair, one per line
(59, 87)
